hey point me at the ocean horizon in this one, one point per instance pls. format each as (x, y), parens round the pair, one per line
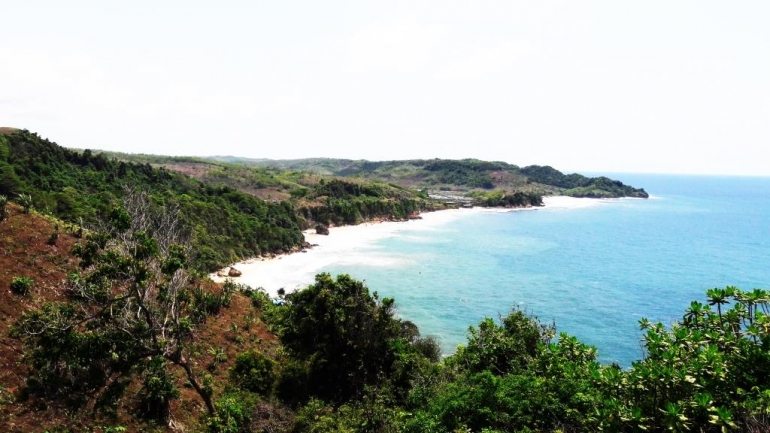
(593, 270)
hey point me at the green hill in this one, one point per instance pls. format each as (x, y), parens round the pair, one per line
(455, 175)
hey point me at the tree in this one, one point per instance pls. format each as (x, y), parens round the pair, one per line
(512, 345)
(132, 313)
(342, 336)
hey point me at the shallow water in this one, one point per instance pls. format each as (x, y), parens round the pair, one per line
(595, 270)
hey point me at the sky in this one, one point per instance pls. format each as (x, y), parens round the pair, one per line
(652, 86)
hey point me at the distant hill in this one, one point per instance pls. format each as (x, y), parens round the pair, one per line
(317, 198)
(453, 175)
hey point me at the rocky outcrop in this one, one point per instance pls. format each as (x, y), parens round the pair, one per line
(234, 272)
(321, 229)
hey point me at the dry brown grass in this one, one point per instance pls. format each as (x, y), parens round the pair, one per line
(24, 251)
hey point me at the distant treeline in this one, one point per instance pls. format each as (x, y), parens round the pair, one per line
(467, 173)
(577, 185)
(342, 203)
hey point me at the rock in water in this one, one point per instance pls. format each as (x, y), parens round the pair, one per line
(321, 229)
(234, 272)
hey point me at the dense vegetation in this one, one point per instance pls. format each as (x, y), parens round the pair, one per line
(341, 202)
(353, 367)
(505, 199)
(82, 187)
(578, 185)
(317, 198)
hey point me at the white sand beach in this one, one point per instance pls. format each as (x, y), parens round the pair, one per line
(355, 244)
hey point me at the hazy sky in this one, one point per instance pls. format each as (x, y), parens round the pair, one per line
(645, 86)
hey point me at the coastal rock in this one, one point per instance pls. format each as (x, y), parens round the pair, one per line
(221, 274)
(306, 244)
(322, 229)
(234, 272)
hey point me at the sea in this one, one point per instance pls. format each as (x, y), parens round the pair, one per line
(593, 271)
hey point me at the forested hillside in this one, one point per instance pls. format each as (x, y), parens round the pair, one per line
(82, 187)
(325, 199)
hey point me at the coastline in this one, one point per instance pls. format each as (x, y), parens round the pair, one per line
(349, 245)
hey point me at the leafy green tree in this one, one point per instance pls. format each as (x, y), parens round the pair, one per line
(502, 348)
(708, 372)
(254, 372)
(341, 337)
(9, 181)
(510, 376)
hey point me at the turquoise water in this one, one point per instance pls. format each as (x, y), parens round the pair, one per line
(594, 271)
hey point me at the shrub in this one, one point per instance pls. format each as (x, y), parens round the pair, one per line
(21, 285)
(254, 372)
(233, 414)
(25, 201)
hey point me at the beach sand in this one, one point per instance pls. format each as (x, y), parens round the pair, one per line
(350, 244)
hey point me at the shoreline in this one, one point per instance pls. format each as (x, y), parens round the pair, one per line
(349, 244)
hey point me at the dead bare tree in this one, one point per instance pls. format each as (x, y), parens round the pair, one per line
(136, 310)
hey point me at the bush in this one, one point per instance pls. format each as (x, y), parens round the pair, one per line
(233, 414)
(21, 285)
(26, 202)
(253, 372)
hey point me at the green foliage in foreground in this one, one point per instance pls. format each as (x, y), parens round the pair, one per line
(709, 372)
(344, 341)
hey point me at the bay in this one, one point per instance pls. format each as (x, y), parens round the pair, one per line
(594, 271)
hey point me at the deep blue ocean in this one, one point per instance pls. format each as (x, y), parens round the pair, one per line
(594, 271)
